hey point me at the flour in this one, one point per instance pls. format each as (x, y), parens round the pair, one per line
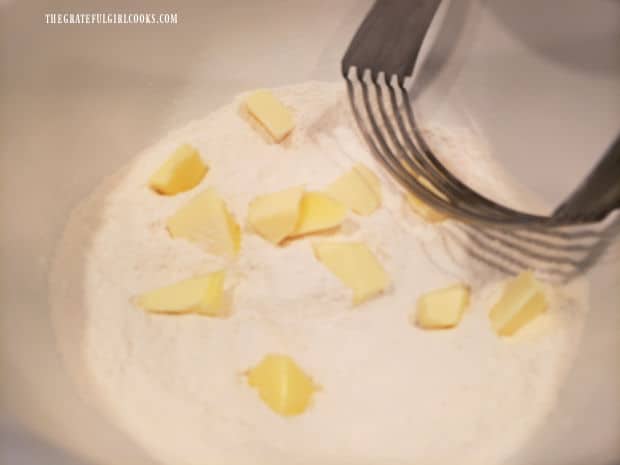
(392, 393)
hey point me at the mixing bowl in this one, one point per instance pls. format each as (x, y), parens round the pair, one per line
(539, 80)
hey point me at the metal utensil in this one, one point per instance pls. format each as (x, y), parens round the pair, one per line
(381, 56)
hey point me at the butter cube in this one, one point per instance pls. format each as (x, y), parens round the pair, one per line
(355, 265)
(205, 220)
(203, 294)
(523, 300)
(270, 113)
(429, 214)
(318, 212)
(213, 302)
(442, 308)
(282, 384)
(275, 216)
(359, 190)
(181, 172)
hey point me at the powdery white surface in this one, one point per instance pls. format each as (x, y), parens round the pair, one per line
(392, 393)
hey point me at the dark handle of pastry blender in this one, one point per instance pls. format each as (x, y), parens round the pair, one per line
(598, 194)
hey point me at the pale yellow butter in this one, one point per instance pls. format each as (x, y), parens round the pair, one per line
(205, 220)
(318, 212)
(355, 265)
(270, 113)
(274, 216)
(523, 300)
(213, 302)
(181, 172)
(442, 308)
(358, 189)
(203, 294)
(282, 384)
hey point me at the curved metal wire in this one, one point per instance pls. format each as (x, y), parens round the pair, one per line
(489, 226)
(420, 165)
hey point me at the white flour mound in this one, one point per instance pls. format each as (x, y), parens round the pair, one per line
(392, 393)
